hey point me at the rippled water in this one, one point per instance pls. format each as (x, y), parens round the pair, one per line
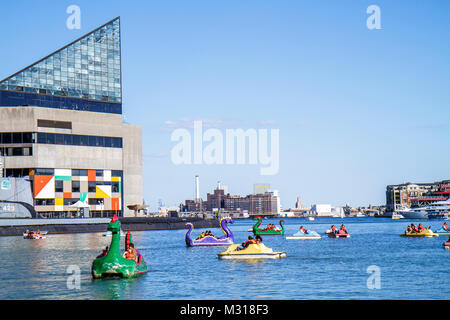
(314, 269)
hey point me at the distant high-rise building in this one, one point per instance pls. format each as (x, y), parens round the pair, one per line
(298, 204)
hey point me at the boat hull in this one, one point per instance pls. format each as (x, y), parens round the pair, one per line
(304, 236)
(209, 241)
(414, 214)
(441, 231)
(253, 251)
(274, 255)
(422, 234)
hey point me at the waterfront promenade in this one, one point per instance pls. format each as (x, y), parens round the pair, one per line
(16, 227)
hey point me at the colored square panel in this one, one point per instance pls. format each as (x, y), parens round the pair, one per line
(103, 192)
(67, 195)
(59, 201)
(44, 187)
(67, 186)
(63, 172)
(107, 204)
(84, 186)
(64, 178)
(92, 175)
(107, 175)
(115, 204)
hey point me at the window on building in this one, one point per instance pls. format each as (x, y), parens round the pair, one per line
(91, 186)
(44, 202)
(59, 186)
(75, 186)
(44, 172)
(115, 186)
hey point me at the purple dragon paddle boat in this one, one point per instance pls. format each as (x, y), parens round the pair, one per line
(207, 241)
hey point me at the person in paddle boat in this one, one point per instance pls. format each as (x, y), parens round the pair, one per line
(245, 244)
(201, 236)
(445, 227)
(414, 228)
(131, 253)
(343, 229)
(104, 252)
(258, 239)
(304, 230)
(209, 233)
(333, 229)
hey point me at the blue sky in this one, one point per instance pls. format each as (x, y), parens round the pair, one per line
(357, 109)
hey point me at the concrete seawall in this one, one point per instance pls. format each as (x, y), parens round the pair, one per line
(16, 227)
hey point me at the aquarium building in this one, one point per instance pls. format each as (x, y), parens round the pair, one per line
(61, 129)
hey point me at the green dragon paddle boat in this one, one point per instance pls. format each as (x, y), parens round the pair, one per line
(113, 264)
(268, 230)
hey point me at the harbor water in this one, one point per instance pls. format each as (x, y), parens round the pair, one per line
(405, 268)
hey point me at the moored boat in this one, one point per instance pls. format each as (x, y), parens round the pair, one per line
(446, 245)
(208, 241)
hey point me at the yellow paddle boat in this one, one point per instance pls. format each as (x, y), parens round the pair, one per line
(253, 251)
(427, 233)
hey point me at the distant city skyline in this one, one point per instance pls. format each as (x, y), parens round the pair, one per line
(357, 109)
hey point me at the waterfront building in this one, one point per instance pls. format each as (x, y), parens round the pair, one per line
(266, 203)
(62, 129)
(416, 194)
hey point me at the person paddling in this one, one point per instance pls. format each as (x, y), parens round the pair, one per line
(303, 229)
(445, 227)
(343, 229)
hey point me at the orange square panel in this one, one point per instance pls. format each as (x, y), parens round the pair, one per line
(91, 175)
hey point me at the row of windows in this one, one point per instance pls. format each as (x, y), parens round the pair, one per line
(17, 151)
(11, 98)
(78, 140)
(60, 138)
(72, 214)
(67, 201)
(75, 172)
(16, 137)
(23, 172)
(59, 185)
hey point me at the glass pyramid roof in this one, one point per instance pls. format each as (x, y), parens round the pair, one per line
(88, 68)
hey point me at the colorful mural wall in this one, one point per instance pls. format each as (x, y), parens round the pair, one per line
(67, 189)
